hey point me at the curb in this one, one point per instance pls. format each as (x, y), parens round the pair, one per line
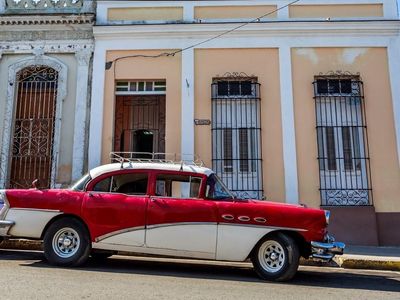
(345, 261)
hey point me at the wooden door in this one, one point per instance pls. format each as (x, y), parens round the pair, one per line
(140, 124)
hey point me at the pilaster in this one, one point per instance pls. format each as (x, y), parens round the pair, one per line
(288, 126)
(81, 104)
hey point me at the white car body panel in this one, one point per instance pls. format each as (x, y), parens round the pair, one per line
(201, 237)
(127, 237)
(29, 222)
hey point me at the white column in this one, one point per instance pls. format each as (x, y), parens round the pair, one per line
(188, 11)
(81, 104)
(96, 106)
(394, 73)
(187, 114)
(2, 6)
(288, 126)
(284, 12)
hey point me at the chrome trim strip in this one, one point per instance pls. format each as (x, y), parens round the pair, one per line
(111, 234)
(36, 209)
(264, 226)
(180, 224)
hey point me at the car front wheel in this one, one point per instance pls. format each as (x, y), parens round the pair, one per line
(276, 257)
(66, 243)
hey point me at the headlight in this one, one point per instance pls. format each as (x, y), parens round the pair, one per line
(327, 216)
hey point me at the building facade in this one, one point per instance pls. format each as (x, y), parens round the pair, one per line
(46, 49)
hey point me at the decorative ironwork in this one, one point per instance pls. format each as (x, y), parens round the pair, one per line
(44, 4)
(32, 141)
(236, 133)
(343, 154)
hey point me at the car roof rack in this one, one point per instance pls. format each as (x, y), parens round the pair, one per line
(153, 157)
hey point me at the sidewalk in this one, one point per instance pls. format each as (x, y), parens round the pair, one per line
(365, 257)
(355, 257)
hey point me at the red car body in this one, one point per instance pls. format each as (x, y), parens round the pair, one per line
(195, 225)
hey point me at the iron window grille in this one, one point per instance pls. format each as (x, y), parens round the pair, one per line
(236, 133)
(343, 153)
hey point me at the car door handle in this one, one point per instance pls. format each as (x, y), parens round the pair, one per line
(228, 217)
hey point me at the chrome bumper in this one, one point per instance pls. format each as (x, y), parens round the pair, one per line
(326, 251)
(5, 227)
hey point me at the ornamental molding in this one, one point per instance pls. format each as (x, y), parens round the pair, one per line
(43, 4)
(47, 47)
(13, 69)
(46, 19)
(288, 29)
(8, 36)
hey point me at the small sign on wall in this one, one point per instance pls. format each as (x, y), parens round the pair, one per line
(202, 122)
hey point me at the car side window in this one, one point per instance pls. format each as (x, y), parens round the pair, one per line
(178, 186)
(130, 184)
(103, 185)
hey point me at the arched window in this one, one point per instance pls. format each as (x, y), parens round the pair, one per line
(33, 126)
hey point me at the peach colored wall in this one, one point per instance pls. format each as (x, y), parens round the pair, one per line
(372, 64)
(336, 11)
(145, 13)
(233, 12)
(168, 68)
(263, 63)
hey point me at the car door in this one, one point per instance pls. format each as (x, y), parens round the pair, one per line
(115, 206)
(179, 221)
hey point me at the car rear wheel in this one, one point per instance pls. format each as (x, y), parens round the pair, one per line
(66, 243)
(276, 257)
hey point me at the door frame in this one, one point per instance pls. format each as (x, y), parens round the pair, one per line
(9, 117)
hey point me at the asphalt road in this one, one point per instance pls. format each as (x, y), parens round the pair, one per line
(25, 275)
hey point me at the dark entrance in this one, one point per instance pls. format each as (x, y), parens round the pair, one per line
(140, 124)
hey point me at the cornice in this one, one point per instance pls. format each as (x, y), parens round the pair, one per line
(280, 29)
(46, 19)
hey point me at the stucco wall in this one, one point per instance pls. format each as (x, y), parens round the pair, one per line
(336, 11)
(264, 64)
(233, 12)
(137, 68)
(145, 13)
(68, 109)
(372, 64)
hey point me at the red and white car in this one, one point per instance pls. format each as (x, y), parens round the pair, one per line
(171, 209)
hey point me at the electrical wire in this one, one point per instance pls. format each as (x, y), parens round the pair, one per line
(166, 54)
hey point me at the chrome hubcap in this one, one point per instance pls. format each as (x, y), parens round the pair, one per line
(66, 242)
(271, 256)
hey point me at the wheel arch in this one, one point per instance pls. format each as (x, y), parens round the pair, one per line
(303, 245)
(65, 216)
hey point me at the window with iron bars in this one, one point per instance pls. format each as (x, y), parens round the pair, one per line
(236, 136)
(343, 156)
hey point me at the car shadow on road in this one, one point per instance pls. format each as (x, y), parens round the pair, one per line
(306, 276)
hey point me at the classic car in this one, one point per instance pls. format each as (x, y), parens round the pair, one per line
(169, 209)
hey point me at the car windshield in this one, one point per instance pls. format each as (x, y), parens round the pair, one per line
(216, 189)
(81, 183)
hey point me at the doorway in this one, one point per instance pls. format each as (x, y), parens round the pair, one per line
(140, 124)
